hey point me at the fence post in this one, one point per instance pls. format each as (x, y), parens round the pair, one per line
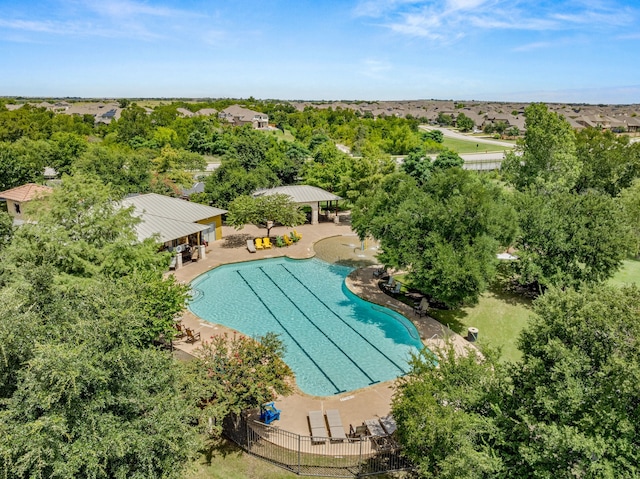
(360, 456)
(299, 452)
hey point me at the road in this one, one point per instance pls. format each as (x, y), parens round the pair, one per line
(460, 136)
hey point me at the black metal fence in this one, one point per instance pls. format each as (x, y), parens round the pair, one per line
(313, 456)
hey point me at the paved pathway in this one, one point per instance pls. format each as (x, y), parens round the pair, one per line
(461, 136)
(355, 406)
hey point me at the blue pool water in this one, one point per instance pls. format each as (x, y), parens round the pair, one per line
(335, 341)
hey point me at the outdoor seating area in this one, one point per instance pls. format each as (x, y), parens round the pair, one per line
(192, 336)
(380, 435)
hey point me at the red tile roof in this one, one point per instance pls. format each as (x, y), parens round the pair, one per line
(26, 192)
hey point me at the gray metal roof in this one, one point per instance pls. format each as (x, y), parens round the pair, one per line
(169, 218)
(171, 208)
(300, 193)
(166, 229)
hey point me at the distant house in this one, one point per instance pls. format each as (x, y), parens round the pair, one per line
(174, 221)
(243, 116)
(206, 112)
(16, 199)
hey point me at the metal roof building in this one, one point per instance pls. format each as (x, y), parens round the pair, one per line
(172, 218)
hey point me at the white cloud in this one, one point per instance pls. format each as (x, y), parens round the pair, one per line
(438, 19)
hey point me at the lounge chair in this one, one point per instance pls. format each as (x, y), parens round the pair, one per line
(269, 413)
(250, 246)
(192, 336)
(422, 308)
(318, 428)
(388, 424)
(390, 283)
(379, 272)
(194, 254)
(174, 262)
(297, 235)
(266, 242)
(287, 240)
(259, 243)
(336, 429)
(179, 330)
(358, 433)
(375, 428)
(378, 435)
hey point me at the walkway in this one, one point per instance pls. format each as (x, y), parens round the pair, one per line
(354, 406)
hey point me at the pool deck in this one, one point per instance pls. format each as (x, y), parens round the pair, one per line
(355, 406)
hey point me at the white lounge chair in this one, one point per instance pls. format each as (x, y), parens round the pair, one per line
(336, 429)
(318, 428)
(250, 246)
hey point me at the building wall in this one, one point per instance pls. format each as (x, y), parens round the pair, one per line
(11, 209)
(215, 222)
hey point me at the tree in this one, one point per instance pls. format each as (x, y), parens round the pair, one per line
(630, 203)
(88, 402)
(418, 165)
(239, 373)
(434, 135)
(134, 122)
(566, 238)
(125, 170)
(445, 233)
(6, 229)
(464, 123)
(609, 162)
(567, 409)
(546, 158)
(443, 410)
(444, 119)
(85, 392)
(448, 159)
(264, 211)
(575, 391)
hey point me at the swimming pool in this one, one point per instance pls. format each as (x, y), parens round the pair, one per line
(335, 341)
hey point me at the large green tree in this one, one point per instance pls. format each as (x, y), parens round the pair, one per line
(264, 211)
(546, 158)
(85, 391)
(233, 374)
(567, 238)
(609, 162)
(445, 233)
(567, 409)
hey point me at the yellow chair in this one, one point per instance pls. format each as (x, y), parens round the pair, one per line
(259, 244)
(287, 240)
(297, 235)
(266, 242)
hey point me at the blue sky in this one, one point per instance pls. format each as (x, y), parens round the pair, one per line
(497, 50)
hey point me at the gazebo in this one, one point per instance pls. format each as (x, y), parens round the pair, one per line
(302, 194)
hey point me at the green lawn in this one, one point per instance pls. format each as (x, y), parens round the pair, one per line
(629, 273)
(286, 136)
(499, 316)
(472, 146)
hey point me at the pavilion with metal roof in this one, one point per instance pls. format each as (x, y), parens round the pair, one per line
(303, 194)
(175, 221)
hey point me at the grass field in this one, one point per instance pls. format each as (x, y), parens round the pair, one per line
(499, 316)
(472, 146)
(628, 274)
(286, 136)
